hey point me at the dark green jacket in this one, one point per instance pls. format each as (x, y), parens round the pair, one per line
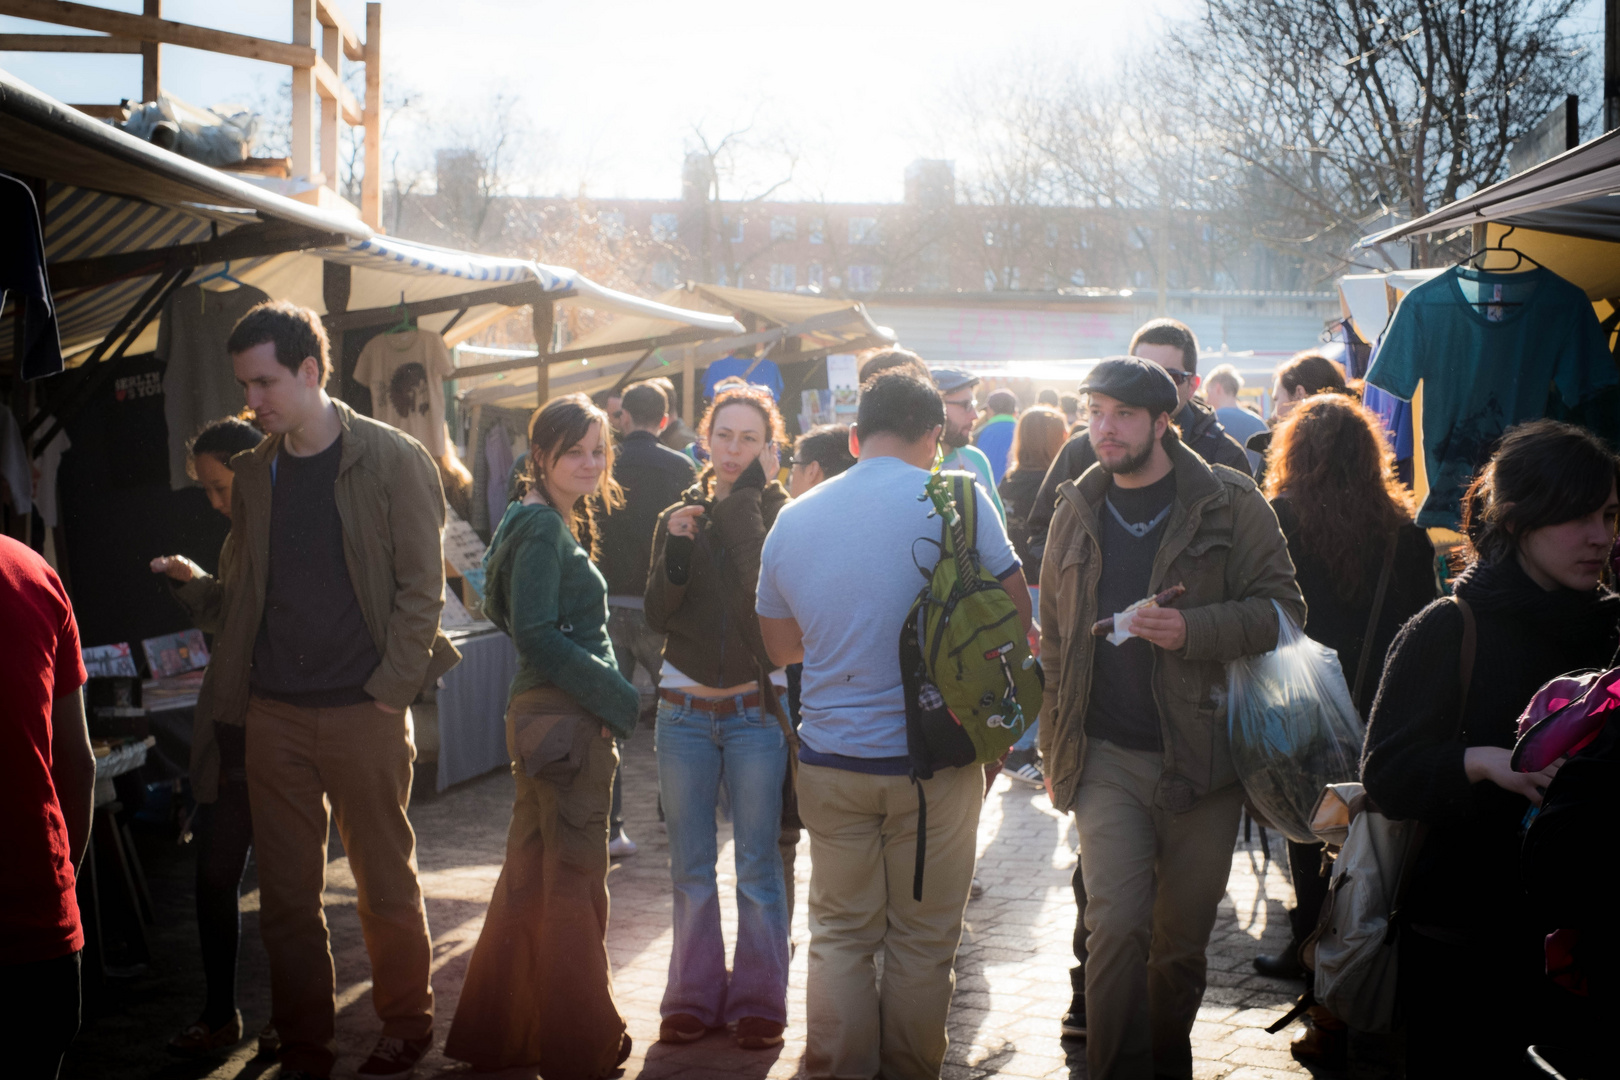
(1223, 543)
(542, 589)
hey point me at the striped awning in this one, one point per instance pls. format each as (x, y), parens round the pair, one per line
(106, 193)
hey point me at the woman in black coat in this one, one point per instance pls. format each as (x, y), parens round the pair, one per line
(1541, 521)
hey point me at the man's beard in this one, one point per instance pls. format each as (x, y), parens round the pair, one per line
(957, 438)
(1133, 462)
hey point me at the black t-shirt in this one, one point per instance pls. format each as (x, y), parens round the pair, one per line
(314, 648)
(1122, 709)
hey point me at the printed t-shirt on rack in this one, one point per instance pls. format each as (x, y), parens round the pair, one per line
(405, 373)
(1485, 368)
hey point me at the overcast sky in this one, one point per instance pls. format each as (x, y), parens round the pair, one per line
(613, 89)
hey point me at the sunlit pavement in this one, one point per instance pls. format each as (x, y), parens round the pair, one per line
(1012, 971)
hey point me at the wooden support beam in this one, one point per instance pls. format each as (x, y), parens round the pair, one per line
(103, 112)
(543, 319)
(329, 84)
(679, 337)
(514, 295)
(331, 17)
(371, 183)
(305, 99)
(151, 56)
(66, 43)
(146, 28)
(245, 242)
(329, 79)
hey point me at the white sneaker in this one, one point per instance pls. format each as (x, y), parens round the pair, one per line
(1028, 773)
(621, 846)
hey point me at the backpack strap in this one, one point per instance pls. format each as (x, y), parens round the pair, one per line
(1373, 617)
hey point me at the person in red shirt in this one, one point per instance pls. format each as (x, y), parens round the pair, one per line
(47, 794)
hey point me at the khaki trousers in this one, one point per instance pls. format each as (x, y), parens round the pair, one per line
(353, 763)
(539, 989)
(863, 835)
(1153, 882)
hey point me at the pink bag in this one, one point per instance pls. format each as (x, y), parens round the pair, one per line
(1564, 716)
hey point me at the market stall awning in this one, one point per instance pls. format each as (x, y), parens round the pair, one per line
(813, 325)
(123, 218)
(1544, 197)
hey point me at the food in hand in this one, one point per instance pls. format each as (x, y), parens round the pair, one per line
(1104, 627)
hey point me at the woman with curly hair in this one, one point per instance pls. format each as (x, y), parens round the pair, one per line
(718, 723)
(1331, 479)
(539, 991)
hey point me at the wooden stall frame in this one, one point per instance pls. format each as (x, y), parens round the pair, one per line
(322, 40)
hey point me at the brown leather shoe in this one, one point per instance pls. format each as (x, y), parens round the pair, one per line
(754, 1033)
(681, 1028)
(199, 1039)
(1324, 1041)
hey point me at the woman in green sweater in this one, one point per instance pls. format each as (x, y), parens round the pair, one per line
(539, 993)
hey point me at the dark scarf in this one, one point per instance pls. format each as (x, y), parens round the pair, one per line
(1565, 615)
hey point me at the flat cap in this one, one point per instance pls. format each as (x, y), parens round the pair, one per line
(947, 379)
(1134, 381)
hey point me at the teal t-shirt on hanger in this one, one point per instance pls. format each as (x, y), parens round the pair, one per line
(1486, 366)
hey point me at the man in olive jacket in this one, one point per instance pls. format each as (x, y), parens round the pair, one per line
(1134, 734)
(330, 630)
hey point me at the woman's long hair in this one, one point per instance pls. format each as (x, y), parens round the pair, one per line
(755, 397)
(1543, 473)
(1329, 458)
(553, 430)
(1040, 434)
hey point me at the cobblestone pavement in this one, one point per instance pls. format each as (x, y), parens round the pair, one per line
(1012, 971)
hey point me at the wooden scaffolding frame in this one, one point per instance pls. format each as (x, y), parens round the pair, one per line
(322, 40)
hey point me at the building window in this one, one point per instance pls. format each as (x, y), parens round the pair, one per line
(864, 277)
(989, 281)
(731, 228)
(1051, 236)
(782, 277)
(989, 238)
(863, 230)
(611, 222)
(665, 274)
(784, 227)
(813, 276)
(1084, 237)
(666, 227)
(1140, 278)
(816, 230)
(1077, 278)
(1137, 238)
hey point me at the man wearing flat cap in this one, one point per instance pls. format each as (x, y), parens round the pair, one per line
(1133, 728)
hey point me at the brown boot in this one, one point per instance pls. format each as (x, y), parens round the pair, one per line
(1324, 1040)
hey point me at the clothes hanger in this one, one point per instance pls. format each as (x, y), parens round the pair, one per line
(1500, 247)
(405, 325)
(223, 273)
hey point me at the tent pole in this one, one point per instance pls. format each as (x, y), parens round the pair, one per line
(542, 317)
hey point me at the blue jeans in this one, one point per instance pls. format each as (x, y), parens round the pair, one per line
(696, 752)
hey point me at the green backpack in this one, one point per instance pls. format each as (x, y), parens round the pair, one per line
(972, 688)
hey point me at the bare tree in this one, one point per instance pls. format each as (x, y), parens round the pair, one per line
(1331, 113)
(723, 194)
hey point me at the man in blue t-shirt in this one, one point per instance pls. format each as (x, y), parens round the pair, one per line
(838, 574)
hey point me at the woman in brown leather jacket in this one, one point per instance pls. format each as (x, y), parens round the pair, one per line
(713, 727)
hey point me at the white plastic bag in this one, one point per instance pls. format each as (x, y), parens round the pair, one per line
(1294, 729)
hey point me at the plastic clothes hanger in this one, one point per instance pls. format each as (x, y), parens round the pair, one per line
(223, 273)
(405, 325)
(1500, 247)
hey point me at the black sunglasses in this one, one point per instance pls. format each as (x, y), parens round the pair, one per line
(1180, 377)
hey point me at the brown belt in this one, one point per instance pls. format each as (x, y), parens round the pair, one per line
(711, 705)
